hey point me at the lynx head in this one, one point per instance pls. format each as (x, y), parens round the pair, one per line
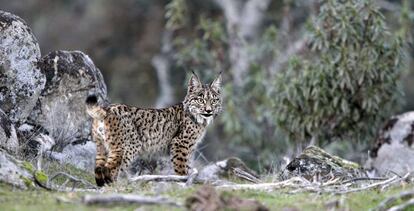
(203, 101)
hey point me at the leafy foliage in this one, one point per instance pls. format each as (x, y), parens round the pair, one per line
(176, 14)
(350, 84)
(247, 118)
(343, 87)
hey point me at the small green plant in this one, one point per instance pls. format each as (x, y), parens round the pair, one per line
(28, 166)
(28, 182)
(41, 177)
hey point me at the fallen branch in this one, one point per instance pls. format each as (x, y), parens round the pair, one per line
(245, 175)
(159, 178)
(295, 182)
(300, 184)
(363, 179)
(392, 199)
(390, 180)
(403, 206)
(404, 178)
(192, 177)
(40, 184)
(127, 199)
(189, 180)
(75, 180)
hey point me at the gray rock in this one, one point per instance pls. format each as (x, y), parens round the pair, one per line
(227, 169)
(45, 97)
(21, 81)
(31, 137)
(12, 173)
(79, 155)
(8, 136)
(70, 77)
(317, 165)
(393, 151)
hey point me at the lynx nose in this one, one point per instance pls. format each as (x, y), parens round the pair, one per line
(208, 108)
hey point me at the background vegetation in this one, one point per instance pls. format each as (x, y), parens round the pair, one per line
(295, 71)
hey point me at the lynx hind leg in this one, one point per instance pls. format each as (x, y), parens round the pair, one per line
(109, 151)
(113, 162)
(180, 153)
(100, 154)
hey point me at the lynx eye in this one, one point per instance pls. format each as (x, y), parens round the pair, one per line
(200, 100)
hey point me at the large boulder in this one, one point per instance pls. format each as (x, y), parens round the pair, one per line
(21, 81)
(61, 110)
(317, 165)
(393, 150)
(81, 155)
(70, 77)
(43, 99)
(8, 136)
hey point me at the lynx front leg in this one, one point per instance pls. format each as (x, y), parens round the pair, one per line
(181, 153)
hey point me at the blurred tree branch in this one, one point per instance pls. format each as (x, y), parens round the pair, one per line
(387, 5)
(243, 19)
(162, 65)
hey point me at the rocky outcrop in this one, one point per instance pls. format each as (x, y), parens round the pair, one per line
(70, 77)
(8, 136)
(228, 169)
(316, 164)
(42, 100)
(393, 150)
(21, 81)
(81, 155)
(12, 172)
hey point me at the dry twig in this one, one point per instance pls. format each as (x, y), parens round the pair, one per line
(403, 206)
(159, 178)
(300, 184)
(363, 179)
(390, 180)
(392, 199)
(294, 182)
(192, 177)
(75, 181)
(245, 175)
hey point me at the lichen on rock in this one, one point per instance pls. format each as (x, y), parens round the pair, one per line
(44, 98)
(12, 172)
(316, 164)
(8, 136)
(393, 149)
(21, 81)
(70, 77)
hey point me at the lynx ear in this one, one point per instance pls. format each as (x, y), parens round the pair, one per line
(194, 83)
(216, 84)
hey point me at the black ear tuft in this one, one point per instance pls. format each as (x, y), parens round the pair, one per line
(91, 100)
(194, 82)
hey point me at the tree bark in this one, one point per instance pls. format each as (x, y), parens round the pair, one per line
(162, 65)
(243, 20)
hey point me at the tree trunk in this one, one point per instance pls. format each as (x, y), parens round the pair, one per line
(243, 21)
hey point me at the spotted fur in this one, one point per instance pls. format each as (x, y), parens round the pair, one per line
(124, 132)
